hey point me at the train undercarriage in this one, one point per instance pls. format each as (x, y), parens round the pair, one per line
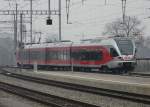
(126, 68)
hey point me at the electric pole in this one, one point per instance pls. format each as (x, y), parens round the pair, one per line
(21, 40)
(21, 30)
(49, 20)
(83, 2)
(67, 10)
(31, 19)
(15, 37)
(16, 27)
(59, 20)
(32, 12)
(123, 10)
(49, 9)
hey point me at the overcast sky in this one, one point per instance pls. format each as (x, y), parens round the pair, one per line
(87, 20)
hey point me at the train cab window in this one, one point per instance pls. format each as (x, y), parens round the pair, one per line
(113, 52)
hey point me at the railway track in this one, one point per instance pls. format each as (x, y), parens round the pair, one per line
(143, 75)
(145, 99)
(44, 98)
(134, 74)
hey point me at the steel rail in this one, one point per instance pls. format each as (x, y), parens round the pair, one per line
(138, 74)
(143, 59)
(41, 97)
(139, 98)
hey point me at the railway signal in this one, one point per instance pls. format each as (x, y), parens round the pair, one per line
(49, 20)
(33, 12)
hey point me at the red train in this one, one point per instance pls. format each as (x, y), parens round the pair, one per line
(100, 54)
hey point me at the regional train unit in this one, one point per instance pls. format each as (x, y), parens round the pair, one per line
(115, 54)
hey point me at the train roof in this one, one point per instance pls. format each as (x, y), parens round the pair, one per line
(88, 42)
(45, 45)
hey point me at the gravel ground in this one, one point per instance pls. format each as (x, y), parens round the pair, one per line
(102, 101)
(11, 100)
(131, 84)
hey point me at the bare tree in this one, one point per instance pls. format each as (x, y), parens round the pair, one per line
(130, 28)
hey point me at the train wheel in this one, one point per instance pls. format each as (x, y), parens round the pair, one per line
(68, 68)
(78, 69)
(124, 71)
(116, 71)
(87, 69)
(82, 69)
(18, 64)
(105, 69)
(64, 68)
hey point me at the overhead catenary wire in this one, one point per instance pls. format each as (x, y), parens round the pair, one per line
(89, 20)
(104, 16)
(75, 4)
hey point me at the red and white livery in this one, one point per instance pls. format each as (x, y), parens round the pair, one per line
(109, 53)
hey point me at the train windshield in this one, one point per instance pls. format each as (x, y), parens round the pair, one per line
(125, 46)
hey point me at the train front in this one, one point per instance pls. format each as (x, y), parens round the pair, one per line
(127, 53)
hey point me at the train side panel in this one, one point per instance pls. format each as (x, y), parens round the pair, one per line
(59, 56)
(90, 56)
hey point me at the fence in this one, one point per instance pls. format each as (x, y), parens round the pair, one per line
(143, 65)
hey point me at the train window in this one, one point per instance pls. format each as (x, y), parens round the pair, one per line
(94, 55)
(75, 55)
(113, 52)
(68, 54)
(87, 55)
(42, 54)
(65, 54)
(34, 55)
(50, 55)
(61, 55)
(22, 55)
(55, 55)
(38, 55)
